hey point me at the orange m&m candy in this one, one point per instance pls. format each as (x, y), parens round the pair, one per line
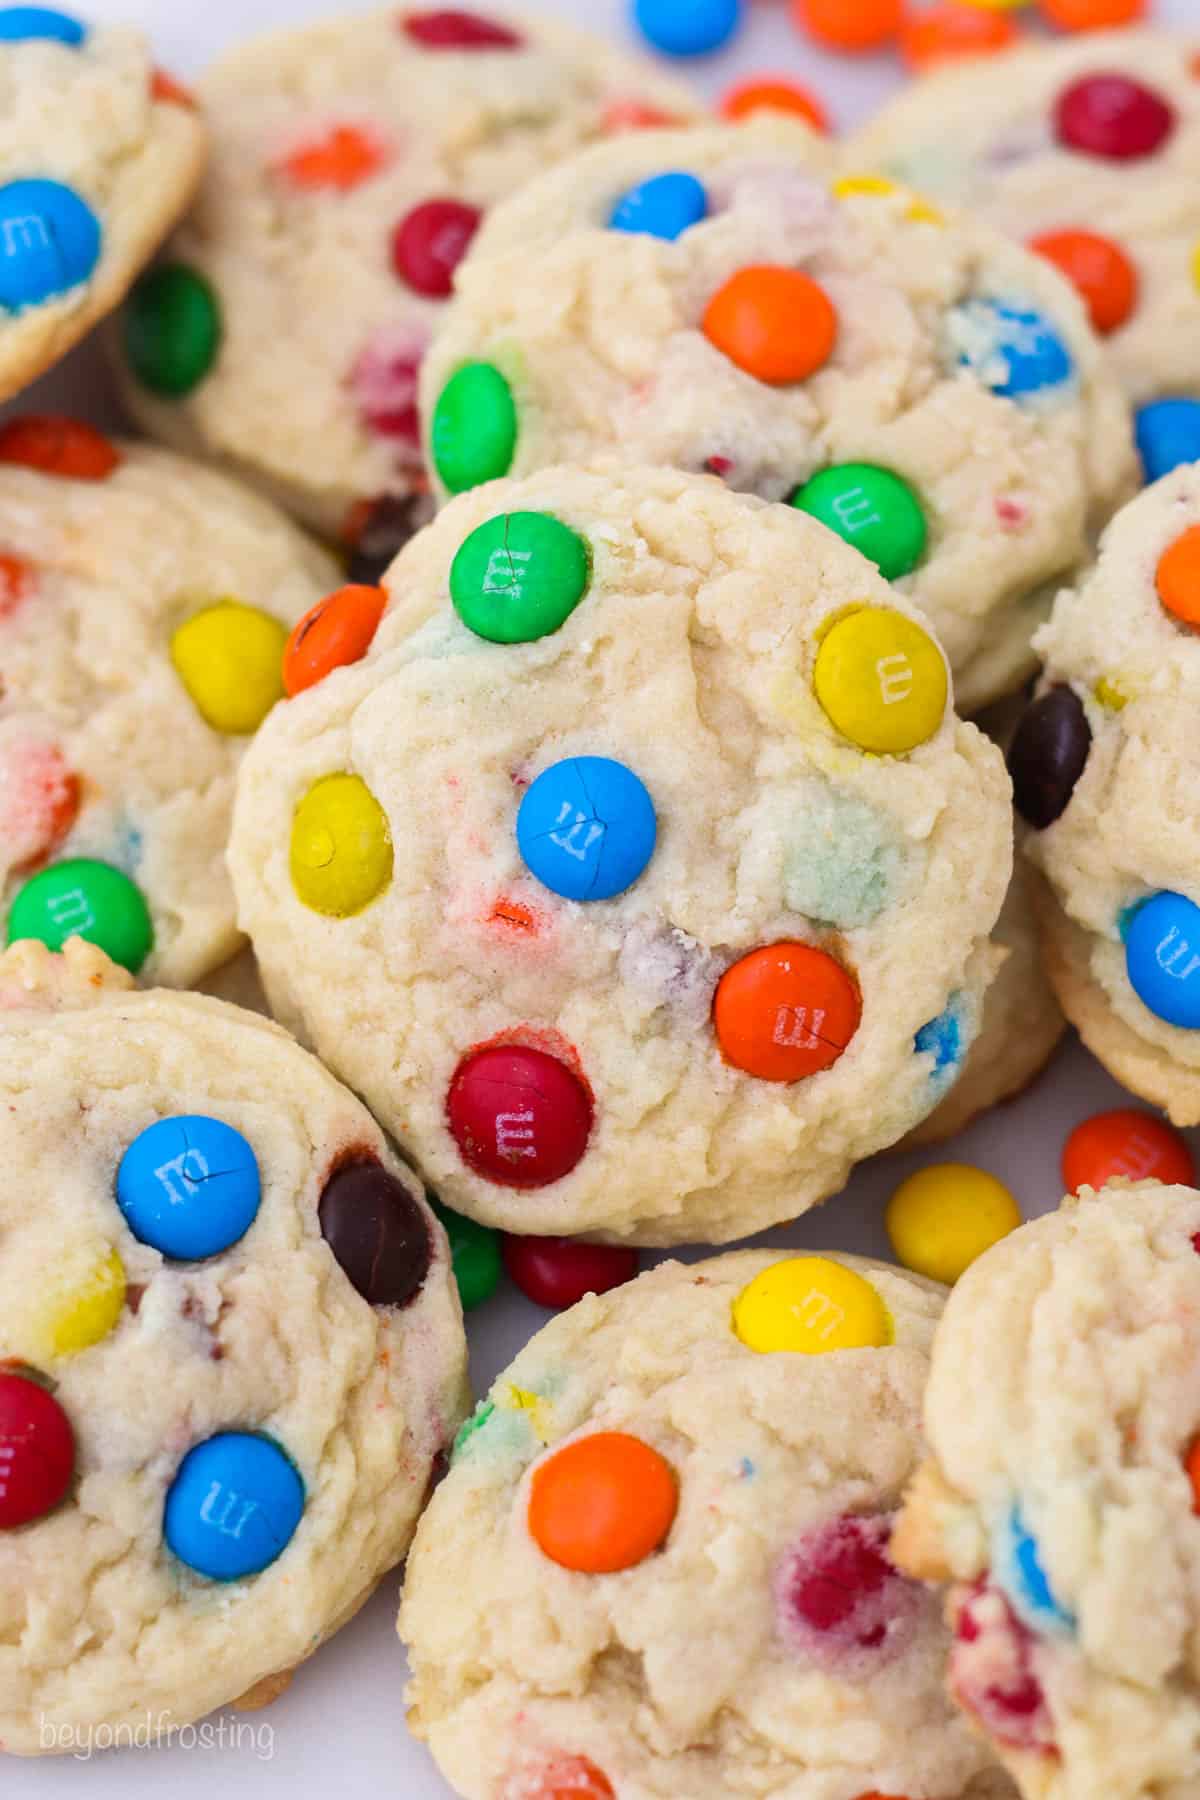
(785, 1012)
(1125, 1142)
(1178, 577)
(954, 28)
(776, 324)
(17, 582)
(1092, 15)
(571, 1778)
(343, 159)
(603, 1503)
(1105, 278)
(853, 25)
(771, 93)
(336, 631)
(165, 87)
(58, 446)
(1192, 1465)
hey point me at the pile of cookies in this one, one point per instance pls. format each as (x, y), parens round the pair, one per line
(636, 662)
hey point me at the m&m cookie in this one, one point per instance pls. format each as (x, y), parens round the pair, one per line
(715, 301)
(659, 1563)
(145, 605)
(231, 1353)
(1105, 776)
(635, 870)
(283, 330)
(1085, 150)
(1060, 1504)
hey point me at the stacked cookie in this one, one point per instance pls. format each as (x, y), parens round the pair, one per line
(593, 796)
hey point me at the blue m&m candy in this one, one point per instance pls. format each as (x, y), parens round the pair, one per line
(587, 828)
(1017, 1563)
(687, 27)
(1162, 958)
(943, 1039)
(1014, 350)
(18, 24)
(233, 1507)
(49, 242)
(189, 1187)
(664, 207)
(1168, 434)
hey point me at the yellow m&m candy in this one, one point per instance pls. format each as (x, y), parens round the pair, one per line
(943, 1217)
(85, 1315)
(810, 1305)
(230, 659)
(341, 851)
(881, 680)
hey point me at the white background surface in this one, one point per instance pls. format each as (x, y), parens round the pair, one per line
(340, 1728)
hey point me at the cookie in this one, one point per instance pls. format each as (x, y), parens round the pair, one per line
(640, 874)
(1086, 150)
(1104, 775)
(1019, 1031)
(232, 1353)
(100, 154)
(144, 606)
(353, 158)
(659, 1564)
(912, 380)
(1061, 1503)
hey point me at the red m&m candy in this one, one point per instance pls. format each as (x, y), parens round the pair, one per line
(1113, 116)
(557, 1271)
(58, 446)
(449, 29)
(520, 1117)
(429, 243)
(37, 1450)
(1129, 1143)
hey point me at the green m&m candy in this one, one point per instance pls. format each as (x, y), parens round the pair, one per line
(86, 899)
(519, 577)
(475, 1252)
(474, 427)
(172, 327)
(873, 510)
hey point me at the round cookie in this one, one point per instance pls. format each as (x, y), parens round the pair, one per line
(1020, 1028)
(1061, 1503)
(586, 878)
(916, 382)
(1087, 149)
(232, 1353)
(144, 606)
(1104, 775)
(100, 154)
(284, 329)
(734, 1626)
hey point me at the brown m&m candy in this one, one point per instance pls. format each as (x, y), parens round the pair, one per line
(1047, 756)
(377, 533)
(377, 1231)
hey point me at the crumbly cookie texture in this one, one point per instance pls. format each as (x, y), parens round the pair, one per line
(602, 337)
(1059, 1503)
(94, 118)
(100, 1625)
(326, 140)
(1131, 826)
(690, 659)
(105, 753)
(1019, 1031)
(984, 136)
(697, 1672)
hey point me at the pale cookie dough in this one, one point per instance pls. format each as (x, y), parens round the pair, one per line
(1109, 747)
(288, 343)
(102, 1625)
(105, 754)
(1062, 1414)
(116, 150)
(603, 339)
(768, 1648)
(989, 136)
(401, 931)
(1020, 1029)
